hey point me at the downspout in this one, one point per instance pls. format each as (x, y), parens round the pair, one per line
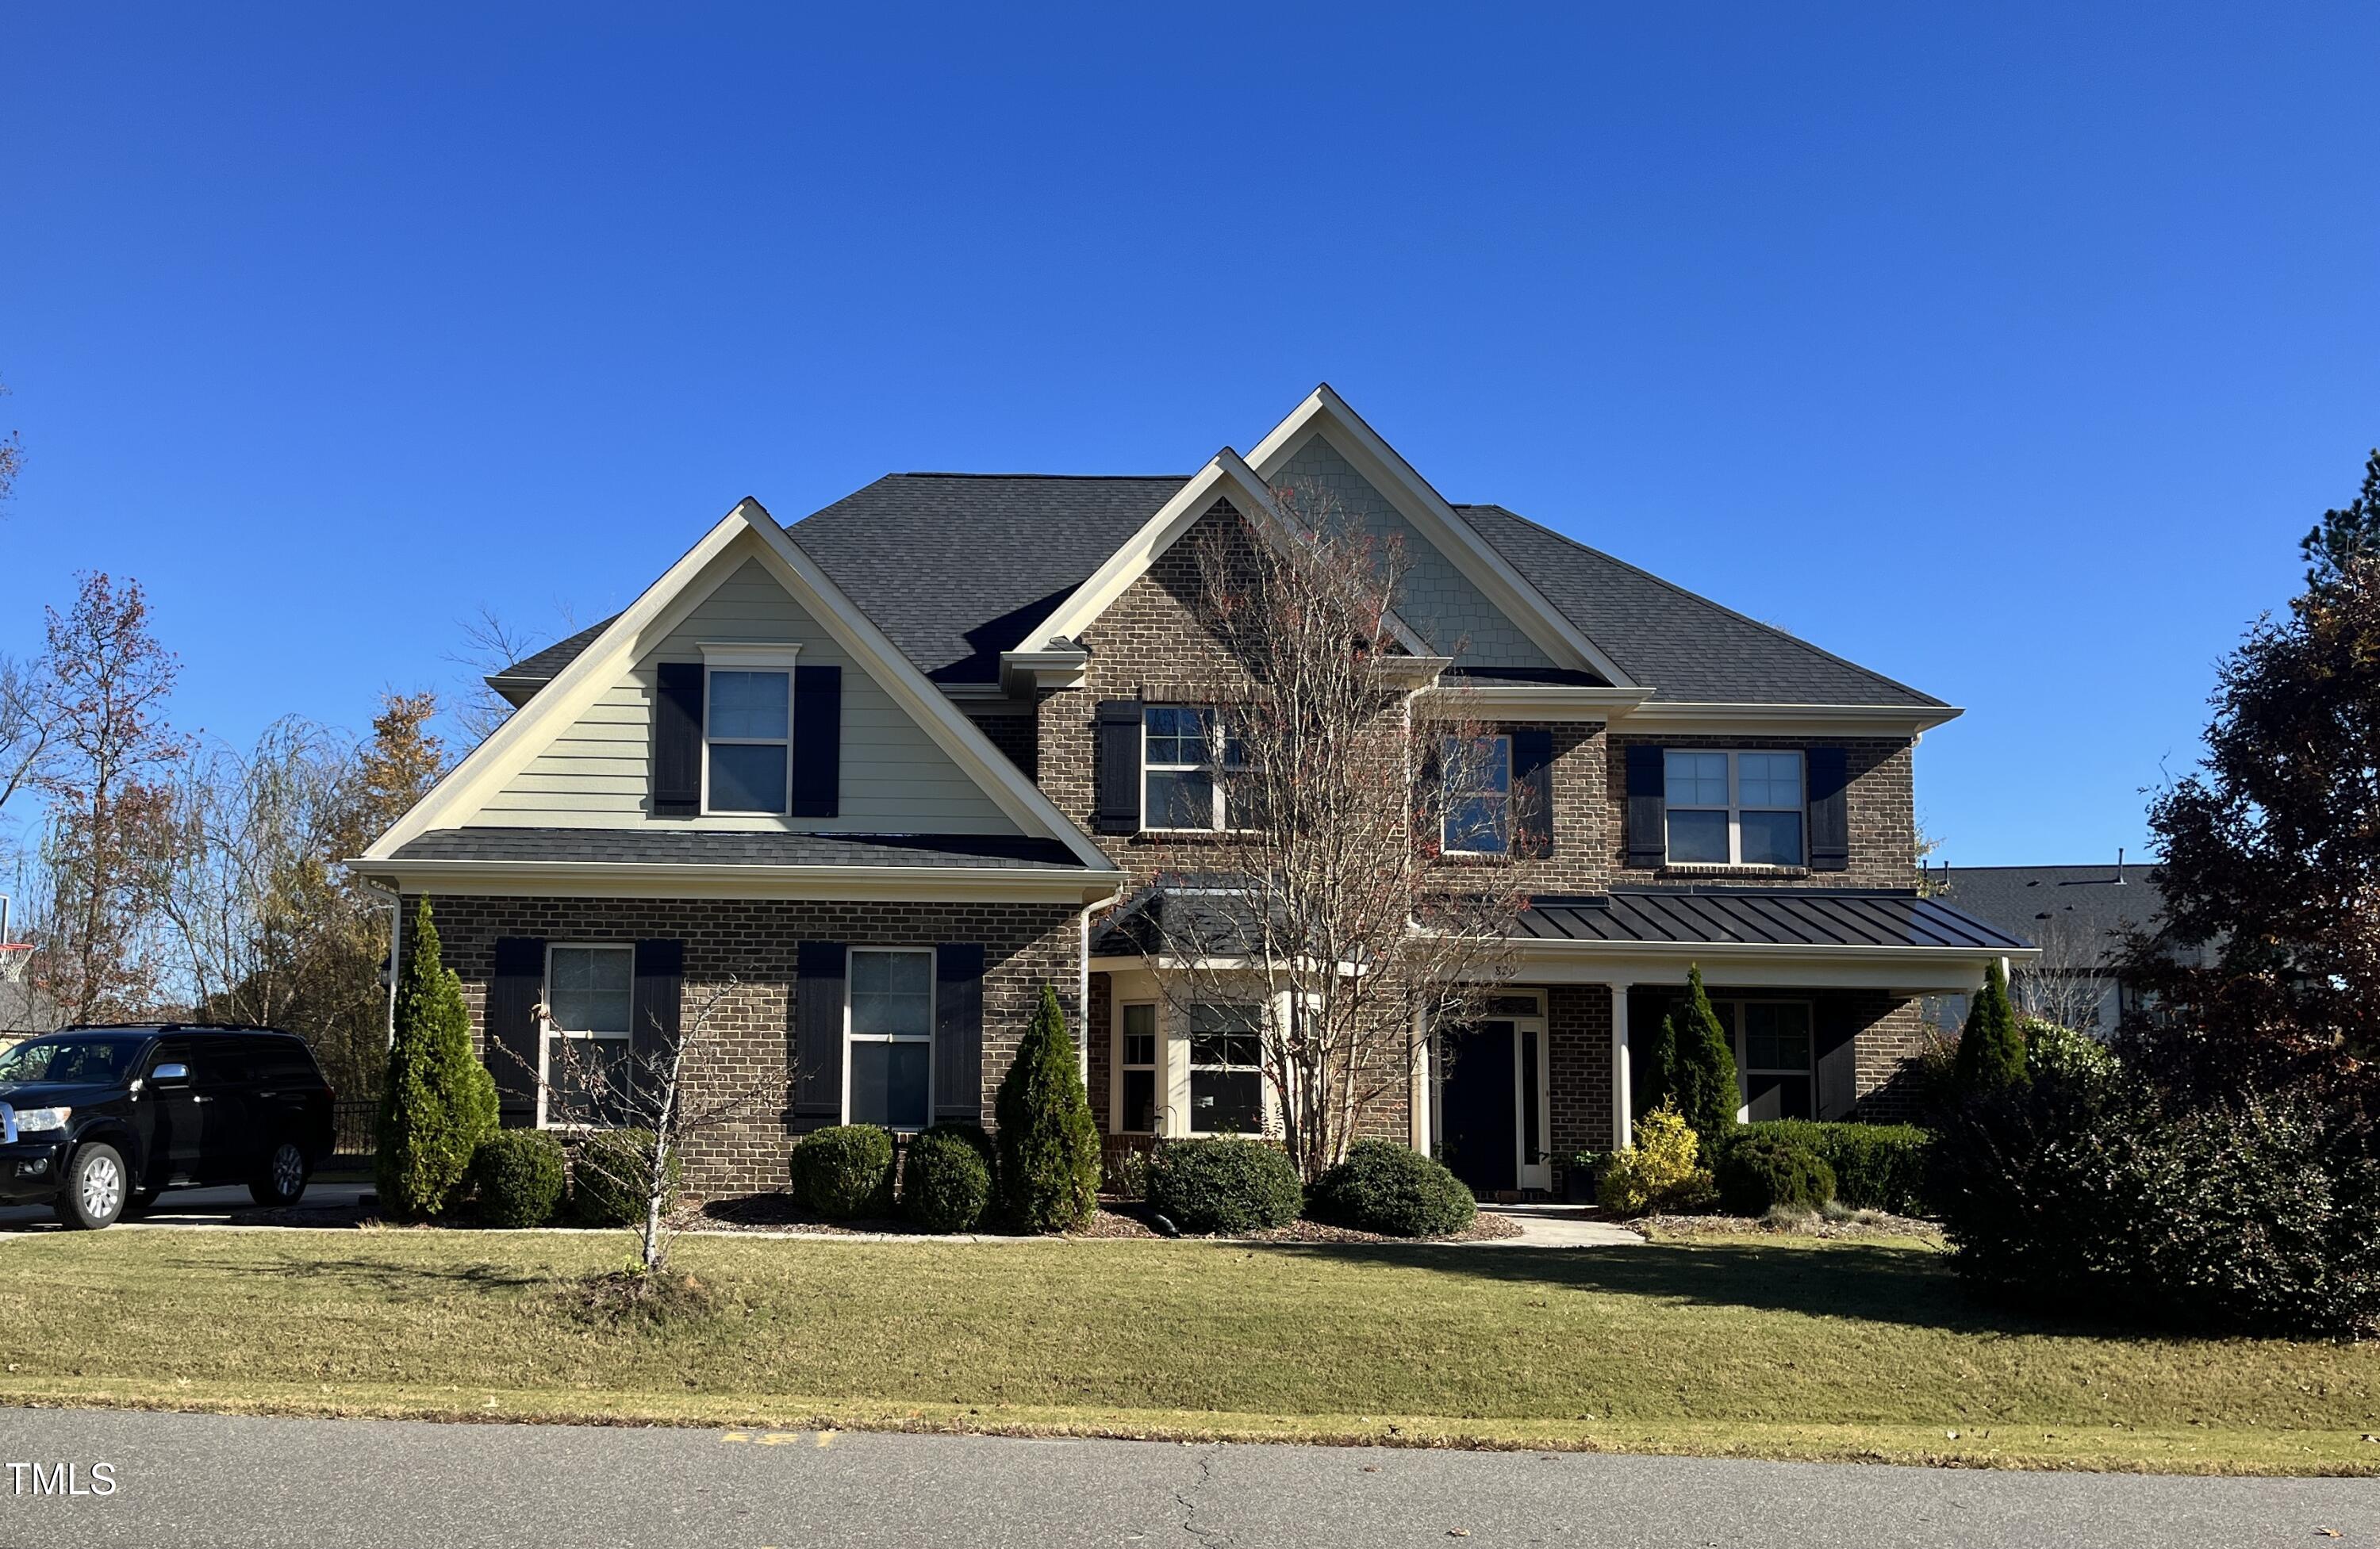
(395, 934)
(1083, 995)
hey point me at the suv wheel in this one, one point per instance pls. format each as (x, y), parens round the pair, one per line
(95, 1195)
(283, 1180)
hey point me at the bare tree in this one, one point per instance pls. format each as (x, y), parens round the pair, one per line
(490, 644)
(653, 1087)
(12, 460)
(28, 728)
(2067, 984)
(1326, 906)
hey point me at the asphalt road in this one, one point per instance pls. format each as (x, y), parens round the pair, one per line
(203, 1480)
(186, 1207)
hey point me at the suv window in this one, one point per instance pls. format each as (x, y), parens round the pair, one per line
(282, 1062)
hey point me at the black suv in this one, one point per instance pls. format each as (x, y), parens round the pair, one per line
(101, 1121)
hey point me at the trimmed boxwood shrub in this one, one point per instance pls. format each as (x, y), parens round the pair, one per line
(607, 1177)
(946, 1177)
(844, 1172)
(1393, 1189)
(1758, 1173)
(517, 1176)
(1228, 1184)
(1877, 1166)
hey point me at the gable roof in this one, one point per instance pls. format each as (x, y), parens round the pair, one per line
(1688, 647)
(750, 531)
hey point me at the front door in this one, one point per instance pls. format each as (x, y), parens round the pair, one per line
(1492, 1105)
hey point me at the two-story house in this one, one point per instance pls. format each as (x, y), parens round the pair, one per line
(880, 775)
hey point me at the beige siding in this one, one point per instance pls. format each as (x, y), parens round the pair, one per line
(895, 778)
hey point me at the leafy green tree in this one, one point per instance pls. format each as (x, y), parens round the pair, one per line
(1049, 1143)
(1692, 1066)
(438, 1102)
(1991, 1050)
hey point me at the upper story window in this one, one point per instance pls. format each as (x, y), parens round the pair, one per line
(1185, 764)
(1734, 808)
(747, 739)
(1477, 777)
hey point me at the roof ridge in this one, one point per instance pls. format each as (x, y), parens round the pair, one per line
(1089, 478)
(1668, 585)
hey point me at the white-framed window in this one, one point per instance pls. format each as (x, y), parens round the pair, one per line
(1476, 774)
(1226, 1070)
(1136, 1069)
(1734, 808)
(1185, 764)
(584, 1048)
(888, 1038)
(1775, 1057)
(747, 729)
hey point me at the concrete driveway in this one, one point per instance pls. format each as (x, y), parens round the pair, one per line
(180, 1479)
(186, 1207)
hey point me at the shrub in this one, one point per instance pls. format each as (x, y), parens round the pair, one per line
(516, 1177)
(946, 1177)
(1692, 1066)
(1763, 1173)
(1124, 1173)
(1393, 1189)
(1991, 1050)
(1659, 1172)
(2262, 1214)
(2054, 1051)
(437, 1101)
(1877, 1166)
(609, 1176)
(1049, 1143)
(1228, 1184)
(844, 1172)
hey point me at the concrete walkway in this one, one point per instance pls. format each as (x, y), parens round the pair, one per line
(1559, 1226)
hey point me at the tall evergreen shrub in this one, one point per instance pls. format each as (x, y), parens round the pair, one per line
(1696, 1066)
(438, 1102)
(1049, 1143)
(1991, 1050)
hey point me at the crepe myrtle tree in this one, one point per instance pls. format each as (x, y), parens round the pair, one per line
(1324, 904)
(642, 1091)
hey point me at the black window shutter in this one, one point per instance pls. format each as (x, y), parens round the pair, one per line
(677, 739)
(1648, 807)
(653, 1010)
(958, 1032)
(1119, 767)
(817, 1034)
(1831, 826)
(1533, 790)
(817, 741)
(1837, 1052)
(515, 987)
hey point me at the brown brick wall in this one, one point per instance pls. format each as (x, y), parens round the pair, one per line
(745, 951)
(1015, 733)
(1578, 1073)
(1891, 1034)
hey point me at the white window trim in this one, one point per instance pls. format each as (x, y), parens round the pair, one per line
(547, 1031)
(1220, 823)
(1738, 1044)
(1446, 797)
(728, 655)
(1156, 1068)
(1265, 1117)
(1736, 807)
(933, 1012)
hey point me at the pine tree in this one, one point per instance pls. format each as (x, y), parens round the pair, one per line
(1991, 1050)
(1697, 1066)
(438, 1101)
(1048, 1143)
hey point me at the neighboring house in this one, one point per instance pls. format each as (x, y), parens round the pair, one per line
(2077, 915)
(891, 769)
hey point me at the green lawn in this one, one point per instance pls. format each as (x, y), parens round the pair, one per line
(1761, 1348)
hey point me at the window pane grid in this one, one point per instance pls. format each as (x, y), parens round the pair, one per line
(747, 738)
(1226, 1080)
(1477, 795)
(888, 1046)
(1734, 808)
(1179, 789)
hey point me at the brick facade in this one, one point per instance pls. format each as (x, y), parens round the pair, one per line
(743, 951)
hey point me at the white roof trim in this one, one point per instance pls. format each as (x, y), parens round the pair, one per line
(1681, 718)
(629, 880)
(1324, 413)
(478, 776)
(1226, 476)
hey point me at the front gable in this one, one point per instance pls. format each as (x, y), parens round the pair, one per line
(581, 755)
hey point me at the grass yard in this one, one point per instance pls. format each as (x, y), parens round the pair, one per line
(1752, 1347)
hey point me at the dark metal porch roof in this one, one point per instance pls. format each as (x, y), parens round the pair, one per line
(1761, 917)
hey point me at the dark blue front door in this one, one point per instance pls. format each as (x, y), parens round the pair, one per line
(1476, 1125)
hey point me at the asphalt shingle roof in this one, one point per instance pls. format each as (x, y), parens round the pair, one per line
(956, 567)
(2089, 906)
(719, 848)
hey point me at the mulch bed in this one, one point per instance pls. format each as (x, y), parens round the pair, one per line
(1868, 1224)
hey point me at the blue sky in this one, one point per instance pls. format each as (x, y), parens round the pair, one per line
(2007, 351)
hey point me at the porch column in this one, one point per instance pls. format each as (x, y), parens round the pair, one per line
(1622, 1125)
